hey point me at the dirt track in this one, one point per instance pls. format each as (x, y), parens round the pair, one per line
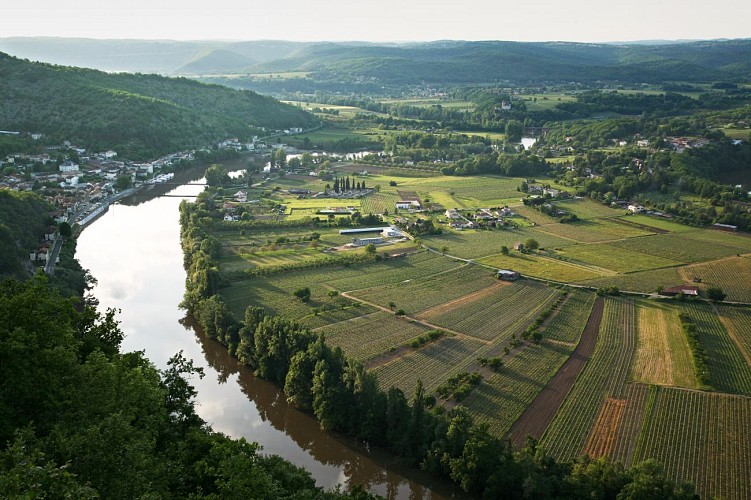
(541, 412)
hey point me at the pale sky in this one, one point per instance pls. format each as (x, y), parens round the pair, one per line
(379, 20)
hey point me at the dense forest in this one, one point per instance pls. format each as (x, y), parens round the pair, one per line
(139, 116)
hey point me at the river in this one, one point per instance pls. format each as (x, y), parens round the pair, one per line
(133, 250)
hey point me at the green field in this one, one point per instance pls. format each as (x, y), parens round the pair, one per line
(731, 274)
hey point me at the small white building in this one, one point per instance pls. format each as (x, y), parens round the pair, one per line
(635, 209)
(361, 242)
(452, 213)
(68, 166)
(392, 232)
(408, 205)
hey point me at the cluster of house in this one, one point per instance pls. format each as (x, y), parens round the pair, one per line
(90, 175)
(489, 217)
(680, 144)
(43, 251)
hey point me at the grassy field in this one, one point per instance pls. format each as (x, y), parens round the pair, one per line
(476, 243)
(645, 281)
(678, 248)
(567, 323)
(737, 322)
(663, 356)
(593, 230)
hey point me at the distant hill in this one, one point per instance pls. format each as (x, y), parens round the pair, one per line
(139, 116)
(440, 62)
(216, 61)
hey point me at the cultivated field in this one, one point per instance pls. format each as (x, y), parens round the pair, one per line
(663, 355)
(731, 274)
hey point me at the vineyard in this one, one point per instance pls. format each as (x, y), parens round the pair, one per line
(644, 281)
(728, 369)
(731, 274)
(567, 323)
(502, 398)
(703, 438)
(421, 293)
(473, 244)
(617, 259)
(433, 364)
(541, 267)
(368, 336)
(594, 231)
(678, 248)
(493, 316)
(737, 322)
(605, 375)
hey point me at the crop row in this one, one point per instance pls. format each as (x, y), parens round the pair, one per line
(432, 364)
(567, 324)
(379, 203)
(490, 315)
(424, 292)
(368, 336)
(702, 438)
(502, 398)
(728, 369)
(737, 321)
(604, 375)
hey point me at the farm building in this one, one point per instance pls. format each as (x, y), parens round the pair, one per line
(408, 205)
(361, 242)
(689, 290)
(508, 275)
(725, 227)
(519, 246)
(363, 230)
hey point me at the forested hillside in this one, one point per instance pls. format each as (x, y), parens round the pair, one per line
(139, 116)
(22, 225)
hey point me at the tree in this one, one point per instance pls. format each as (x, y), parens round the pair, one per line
(370, 249)
(531, 244)
(504, 250)
(514, 130)
(716, 294)
(65, 230)
(444, 250)
(123, 182)
(303, 294)
(216, 175)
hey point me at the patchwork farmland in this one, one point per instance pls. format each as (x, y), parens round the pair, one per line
(613, 376)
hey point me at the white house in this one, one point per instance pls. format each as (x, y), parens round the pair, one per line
(451, 213)
(635, 209)
(241, 196)
(408, 205)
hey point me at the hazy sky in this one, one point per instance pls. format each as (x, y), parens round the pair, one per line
(379, 20)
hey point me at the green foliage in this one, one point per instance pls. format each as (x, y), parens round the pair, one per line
(701, 369)
(139, 116)
(302, 294)
(24, 218)
(715, 294)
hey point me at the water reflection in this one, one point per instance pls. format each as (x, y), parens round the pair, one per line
(374, 469)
